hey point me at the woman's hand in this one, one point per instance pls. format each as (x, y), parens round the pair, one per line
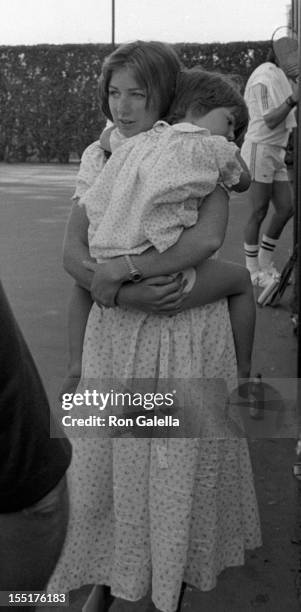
(195, 244)
(161, 294)
(107, 280)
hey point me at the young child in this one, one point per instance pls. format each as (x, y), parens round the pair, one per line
(151, 189)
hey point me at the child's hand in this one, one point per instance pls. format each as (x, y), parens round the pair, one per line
(106, 282)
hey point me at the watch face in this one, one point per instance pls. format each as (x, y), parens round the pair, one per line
(136, 277)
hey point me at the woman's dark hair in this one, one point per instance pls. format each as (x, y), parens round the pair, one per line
(199, 91)
(155, 67)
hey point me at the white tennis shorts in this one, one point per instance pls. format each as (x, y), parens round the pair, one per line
(265, 162)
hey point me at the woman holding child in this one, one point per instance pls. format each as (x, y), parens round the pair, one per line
(146, 516)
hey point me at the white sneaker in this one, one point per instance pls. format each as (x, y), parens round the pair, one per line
(272, 271)
(265, 278)
(255, 277)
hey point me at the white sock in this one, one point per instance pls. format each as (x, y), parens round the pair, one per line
(267, 248)
(251, 255)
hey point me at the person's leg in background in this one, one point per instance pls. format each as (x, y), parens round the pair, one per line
(259, 195)
(31, 541)
(283, 211)
(261, 166)
(269, 183)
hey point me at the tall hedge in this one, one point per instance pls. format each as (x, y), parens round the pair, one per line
(48, 93)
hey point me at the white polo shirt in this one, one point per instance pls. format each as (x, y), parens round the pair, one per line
(267, 89)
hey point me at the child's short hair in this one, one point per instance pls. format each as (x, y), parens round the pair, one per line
(200, 91)
(155, 66)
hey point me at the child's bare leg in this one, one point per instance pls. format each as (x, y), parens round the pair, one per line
(217, 279)
(79, 308)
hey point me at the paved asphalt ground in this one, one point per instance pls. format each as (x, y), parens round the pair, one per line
(34, 205)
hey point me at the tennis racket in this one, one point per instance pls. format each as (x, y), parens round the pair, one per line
(285, 277)
(285, 46)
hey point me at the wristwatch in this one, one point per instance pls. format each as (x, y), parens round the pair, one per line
(291, 102)
(134, 274)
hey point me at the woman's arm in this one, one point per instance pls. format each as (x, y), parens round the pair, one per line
(156, 295)
(76, 248)
(215, 280)
(194, 246)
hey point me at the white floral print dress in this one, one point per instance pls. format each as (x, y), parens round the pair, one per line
(137, 523)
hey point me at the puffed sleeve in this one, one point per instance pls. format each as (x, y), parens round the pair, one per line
(92, 163)
(229, 166)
